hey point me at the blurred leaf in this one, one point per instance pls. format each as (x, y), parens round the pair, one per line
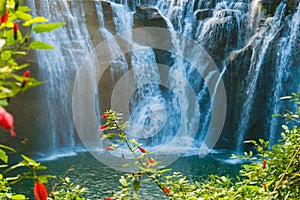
(123, 182)
(23, 9)
(18, 197)
(286, 97)
(40, 28)
(3, 156)
(2, 7)
(35, 20)
(40, 45)
(7, 147)
(136, 185)
(30, 161)
(2, 43)
(23, 16)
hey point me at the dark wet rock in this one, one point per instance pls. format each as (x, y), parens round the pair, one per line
(203, 14)
(148, 17)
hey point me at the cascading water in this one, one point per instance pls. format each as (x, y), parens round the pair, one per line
(261, 45)
(253, 14)
(58, 68)
(220, 26)
(284, 62)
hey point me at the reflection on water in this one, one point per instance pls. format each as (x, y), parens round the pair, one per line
(101, 180)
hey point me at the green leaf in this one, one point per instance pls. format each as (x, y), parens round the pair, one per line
(7, 147)
(18, 196)
(30, 161)
(3, 102)
(40, 28)
(23, 9)
(123, 182)
(255, 188)
(2, 7)
(286, 97)
(3, 156)
(35, 20)
(20, 164)
(2, 43)
(276, 115)
(44, 178)
(285, 127)
(136, 185)
(6, 55)
(40, 45)
(12, 178)
(23, 16)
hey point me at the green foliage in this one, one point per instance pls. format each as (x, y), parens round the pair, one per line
(14, 43)
(269, 173)
(68, 190)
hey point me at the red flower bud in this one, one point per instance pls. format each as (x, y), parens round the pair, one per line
(108, 198)
(104, 116)
(132, 173)
(40, 191)
(4, 17)
(264, 163)
(108, 148)
(15, 29)
(166, 190)
(151, 160)
(25, 75)
(265, 186)
(143, 150)
(102, 127)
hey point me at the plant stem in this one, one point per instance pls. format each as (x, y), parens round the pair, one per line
(286, 170)
(64, 176)
(141, 163)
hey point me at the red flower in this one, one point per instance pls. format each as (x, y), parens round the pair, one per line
(15, 29)
(132, 173)
(108, 148)
(143, 150)
(25, 75)
(151, 160)
(40, 191)
(104, 116)
(265, 186)
(4, 17)
(13, 133)
(264, 164)
(7, 121)
(102, 127)
(166, 190)
(108, 198)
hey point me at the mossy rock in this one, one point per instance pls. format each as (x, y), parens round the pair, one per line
(269, 6)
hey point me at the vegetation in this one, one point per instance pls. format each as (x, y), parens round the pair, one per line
(268, 173)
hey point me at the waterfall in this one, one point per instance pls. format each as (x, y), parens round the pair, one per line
(253, 14)
(57, 68)
(281, 87)
(119, 66)
(261, 45)
(221, 27)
